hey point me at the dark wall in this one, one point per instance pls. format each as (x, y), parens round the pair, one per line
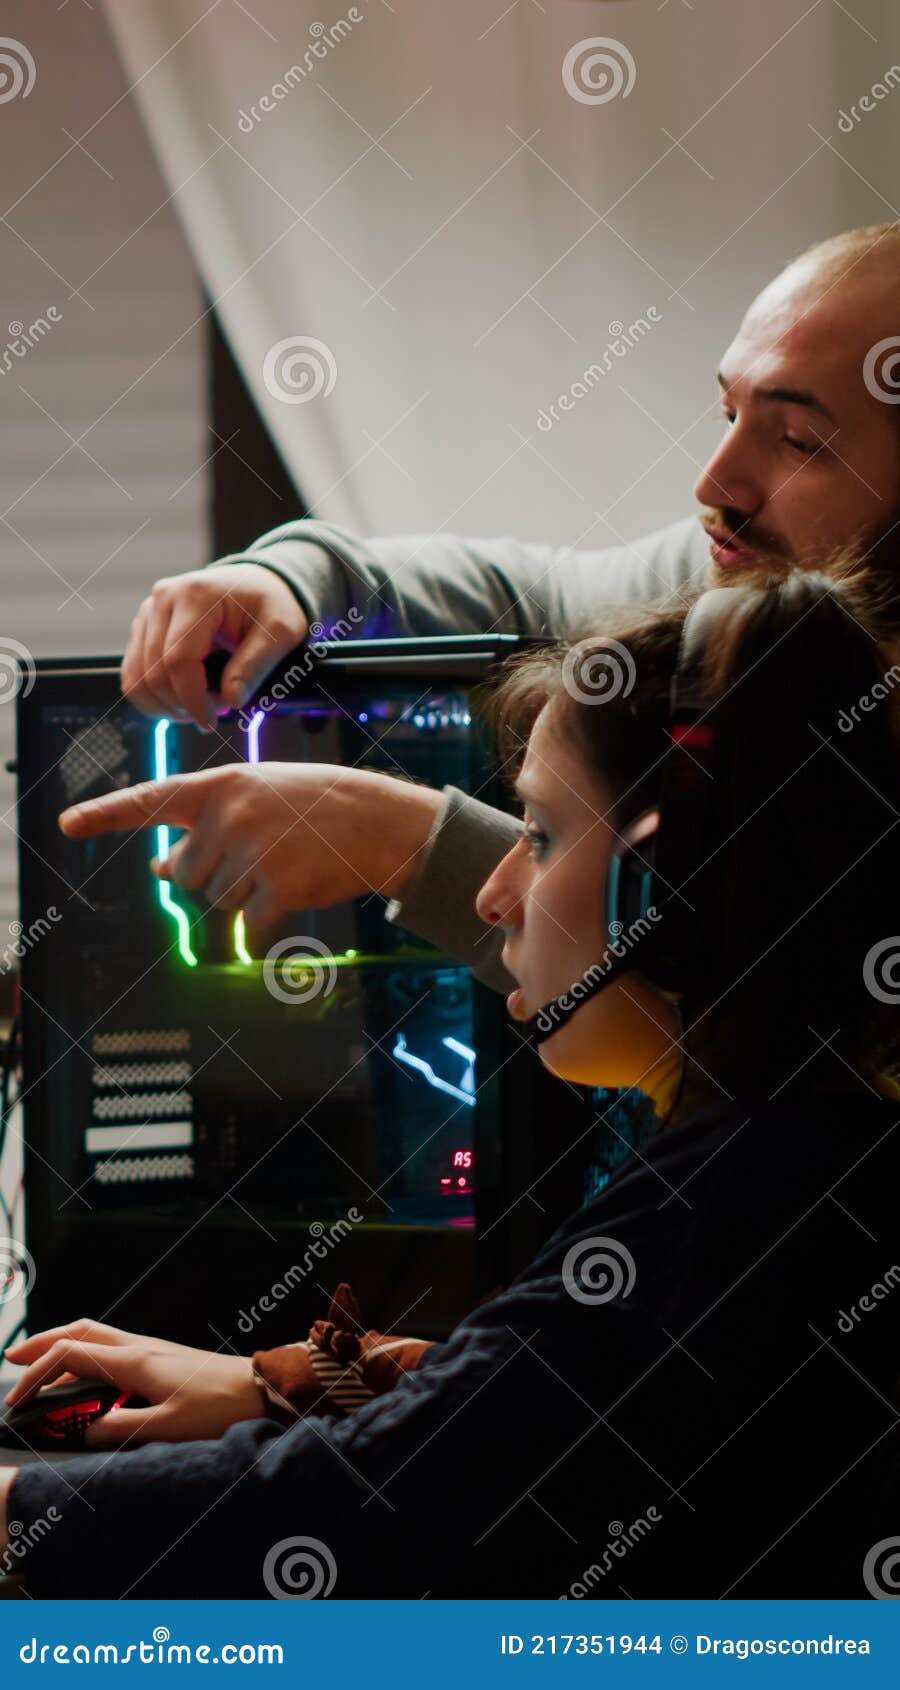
(250, 488)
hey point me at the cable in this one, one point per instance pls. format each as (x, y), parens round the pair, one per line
(6, 1073)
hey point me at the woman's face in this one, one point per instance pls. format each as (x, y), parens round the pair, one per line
(547, 894)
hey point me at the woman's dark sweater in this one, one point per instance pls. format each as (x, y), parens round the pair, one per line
(714, 1419)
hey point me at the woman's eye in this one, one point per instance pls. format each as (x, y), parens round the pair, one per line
(537, 841)
(802, 446)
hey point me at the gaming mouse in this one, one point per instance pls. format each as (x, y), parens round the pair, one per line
(58, 1416)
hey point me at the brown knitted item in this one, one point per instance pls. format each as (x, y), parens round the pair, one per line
(339, 1368)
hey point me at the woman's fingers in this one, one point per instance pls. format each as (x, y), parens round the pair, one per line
(130, 1426)
(91, 1331)
(111, 1363)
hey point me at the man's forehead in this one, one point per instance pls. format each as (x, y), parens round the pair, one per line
(806, 335)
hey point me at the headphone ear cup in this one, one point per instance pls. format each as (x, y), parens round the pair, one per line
(630, 882)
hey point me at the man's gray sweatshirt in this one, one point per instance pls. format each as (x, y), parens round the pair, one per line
(425, 584)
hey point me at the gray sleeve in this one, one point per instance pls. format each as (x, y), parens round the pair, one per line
(466, 842)
(424, 584)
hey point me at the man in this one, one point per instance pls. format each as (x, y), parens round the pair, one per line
(809, 467)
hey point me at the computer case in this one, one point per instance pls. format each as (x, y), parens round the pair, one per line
(221, 1124)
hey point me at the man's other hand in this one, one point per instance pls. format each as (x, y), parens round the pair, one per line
(242, 608)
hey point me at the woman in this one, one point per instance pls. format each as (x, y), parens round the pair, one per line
(688, 1392)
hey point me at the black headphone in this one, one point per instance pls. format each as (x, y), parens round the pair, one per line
(648, 918)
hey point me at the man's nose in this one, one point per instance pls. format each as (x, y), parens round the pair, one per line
(728, 478)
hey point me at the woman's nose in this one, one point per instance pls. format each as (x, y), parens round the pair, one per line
(499, 896)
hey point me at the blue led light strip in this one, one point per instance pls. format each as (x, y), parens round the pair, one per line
(465, 1092)
(179, 916)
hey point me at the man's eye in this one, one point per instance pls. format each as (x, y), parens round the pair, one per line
(802, 446)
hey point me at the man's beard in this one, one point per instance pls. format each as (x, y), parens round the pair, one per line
(874, 551)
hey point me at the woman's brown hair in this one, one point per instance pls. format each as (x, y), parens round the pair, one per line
(797, 888)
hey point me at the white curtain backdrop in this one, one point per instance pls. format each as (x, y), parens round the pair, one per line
(416, 185)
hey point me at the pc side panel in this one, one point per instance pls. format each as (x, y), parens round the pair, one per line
(221, 1124)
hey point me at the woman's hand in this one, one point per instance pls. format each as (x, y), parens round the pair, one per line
(190, 1393)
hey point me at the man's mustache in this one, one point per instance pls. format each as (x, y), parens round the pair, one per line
(743, 530)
